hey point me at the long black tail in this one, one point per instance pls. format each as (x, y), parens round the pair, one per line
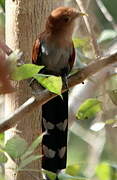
(54, 143)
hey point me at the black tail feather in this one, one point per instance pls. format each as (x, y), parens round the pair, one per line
(54, 143)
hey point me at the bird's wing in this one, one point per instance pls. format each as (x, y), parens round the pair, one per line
(37, 49)
(72, 57)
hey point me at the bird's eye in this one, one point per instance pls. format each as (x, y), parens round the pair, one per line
(66, 18)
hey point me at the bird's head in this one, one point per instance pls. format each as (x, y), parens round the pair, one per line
(62, 19)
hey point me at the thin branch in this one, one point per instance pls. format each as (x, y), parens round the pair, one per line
(45, 95)
(94, 44)
(5, 48)
(107, 14)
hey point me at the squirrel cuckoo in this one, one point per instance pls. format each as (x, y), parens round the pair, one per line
(55, 50)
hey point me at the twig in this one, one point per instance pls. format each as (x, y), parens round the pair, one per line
(94, 44)
(5, 48)
(45, 95)
(106, 14)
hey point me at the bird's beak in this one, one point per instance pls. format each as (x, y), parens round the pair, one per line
(78, 14)
(82, 14)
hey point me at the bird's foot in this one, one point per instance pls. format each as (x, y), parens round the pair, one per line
(65, 82)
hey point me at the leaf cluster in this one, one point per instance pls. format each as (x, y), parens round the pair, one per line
(20, 152)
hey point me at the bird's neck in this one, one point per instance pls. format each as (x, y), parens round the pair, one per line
(62, 35)
(62, 39)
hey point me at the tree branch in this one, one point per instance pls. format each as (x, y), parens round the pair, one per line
(45, 95)
(107, 14)
(94, 44)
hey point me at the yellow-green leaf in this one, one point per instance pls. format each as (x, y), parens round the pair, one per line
(78, 43)
(16, 146)
(33, 146)
(107, 35)
(3, 157)
(89, 109)
(73, 170)
(64, 176)
(25, 71)
(52, 83)
(103, 171)
(28, 160)
(49, 174)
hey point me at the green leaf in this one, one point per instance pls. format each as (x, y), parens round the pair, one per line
(111, 121)
(100, 125)
(64, 176)
(112, 88)
(97, 126)
(15, 147)
(2, 3)
(80, 43)
(113, 96)
(113, 171)
(2, 177)
(25, 71)
(107, 34)
(33, 146)
(112, 83)
(27, 161)
(50, 175)
(52, 83)
(1, 138)
(2, 20)
(3, 157)
(89, 109)
(73, 170)
(103, 171)
(81, 59)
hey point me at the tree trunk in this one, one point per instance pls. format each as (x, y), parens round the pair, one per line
(24, 20)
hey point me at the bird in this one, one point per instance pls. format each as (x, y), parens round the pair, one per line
(54, 49)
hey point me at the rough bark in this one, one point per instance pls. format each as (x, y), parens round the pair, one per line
(24, 20)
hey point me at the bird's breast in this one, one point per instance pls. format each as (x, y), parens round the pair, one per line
(55, 58)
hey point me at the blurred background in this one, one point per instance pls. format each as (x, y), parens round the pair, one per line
(92, 136)
(92, 142)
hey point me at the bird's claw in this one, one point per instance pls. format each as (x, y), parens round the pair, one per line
(65, 82)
